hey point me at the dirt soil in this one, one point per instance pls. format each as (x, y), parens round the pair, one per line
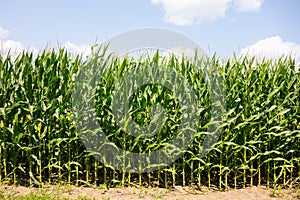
(177, 193)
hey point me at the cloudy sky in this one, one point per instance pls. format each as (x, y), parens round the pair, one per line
(259, 27)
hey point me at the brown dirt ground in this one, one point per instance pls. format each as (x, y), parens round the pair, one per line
(177, 193)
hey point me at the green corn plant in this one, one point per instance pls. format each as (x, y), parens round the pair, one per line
(259, 143)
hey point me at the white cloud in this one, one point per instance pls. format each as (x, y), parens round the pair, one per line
(187, 52)
(273, 48)
(3, 33)
(188, 12)
(14, 48)
(11, 47)
(84, 50)
(248, 5)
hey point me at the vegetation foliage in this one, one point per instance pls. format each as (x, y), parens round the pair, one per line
(259, 143)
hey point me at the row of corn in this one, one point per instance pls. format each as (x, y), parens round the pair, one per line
(259, 142)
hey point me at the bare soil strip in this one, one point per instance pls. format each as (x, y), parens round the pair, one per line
(177, 193)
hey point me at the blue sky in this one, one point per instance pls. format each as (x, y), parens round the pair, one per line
(270, 27)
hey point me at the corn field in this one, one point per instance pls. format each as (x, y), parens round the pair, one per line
(259, 143)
